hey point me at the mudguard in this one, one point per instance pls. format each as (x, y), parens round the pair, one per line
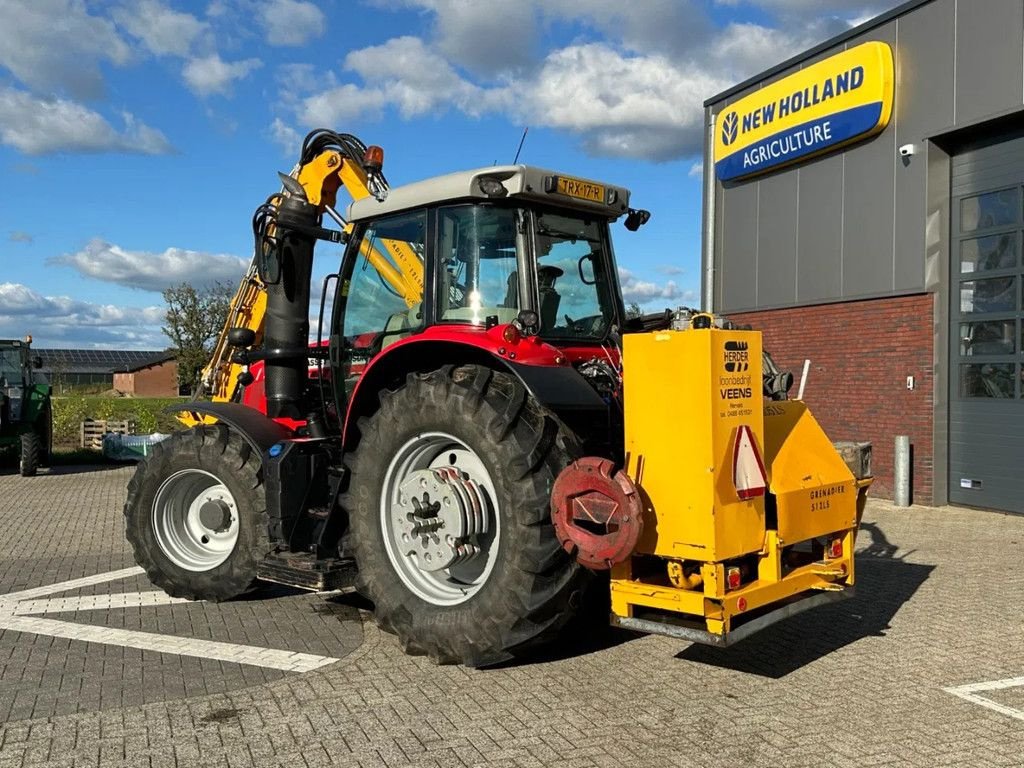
(258, 430)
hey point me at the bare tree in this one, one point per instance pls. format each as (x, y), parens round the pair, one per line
(194, 319)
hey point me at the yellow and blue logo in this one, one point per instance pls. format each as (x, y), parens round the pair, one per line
(844, 98)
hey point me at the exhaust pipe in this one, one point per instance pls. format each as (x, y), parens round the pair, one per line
(286, 332)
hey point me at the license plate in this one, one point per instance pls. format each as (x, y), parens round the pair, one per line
(581, 190)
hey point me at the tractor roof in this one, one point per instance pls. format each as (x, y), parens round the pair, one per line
(519, 181)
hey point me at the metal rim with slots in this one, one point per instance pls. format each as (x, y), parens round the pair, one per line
(439, 518)
(195, 520)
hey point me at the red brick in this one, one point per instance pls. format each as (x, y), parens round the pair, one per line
(861, 353)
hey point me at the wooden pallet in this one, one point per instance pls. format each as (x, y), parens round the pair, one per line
(93, 430)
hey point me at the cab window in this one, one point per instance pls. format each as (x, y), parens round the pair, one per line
(477, 263)
(574, 294)
(382, 292)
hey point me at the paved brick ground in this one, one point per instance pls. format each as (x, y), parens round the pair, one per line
(940, 604)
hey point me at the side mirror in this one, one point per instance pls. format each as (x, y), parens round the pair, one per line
(37, 362)
(636, 218)
(243, 338)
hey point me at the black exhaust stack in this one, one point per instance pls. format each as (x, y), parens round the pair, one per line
(286, 333)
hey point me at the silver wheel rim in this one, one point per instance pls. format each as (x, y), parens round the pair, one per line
(419, 461)
(182, 510)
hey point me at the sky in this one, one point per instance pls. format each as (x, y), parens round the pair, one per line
(137, 138)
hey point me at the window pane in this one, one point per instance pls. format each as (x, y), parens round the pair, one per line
(572, 277)
(992, 338)
(993, 209)
(998, 294)
(987, 380)
(981, 254)
(384, 292)
(479, 278)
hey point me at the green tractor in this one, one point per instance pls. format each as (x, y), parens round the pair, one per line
(26, 419)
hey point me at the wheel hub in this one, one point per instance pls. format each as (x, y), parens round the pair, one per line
(215, 515)
(439, 514)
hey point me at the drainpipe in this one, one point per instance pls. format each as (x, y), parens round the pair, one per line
(707, 291)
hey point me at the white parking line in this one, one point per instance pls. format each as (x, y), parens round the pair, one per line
(970, 693)
(20, 613)
(66, 586)
(95, 603)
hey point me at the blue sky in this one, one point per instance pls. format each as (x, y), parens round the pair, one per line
(136, 138)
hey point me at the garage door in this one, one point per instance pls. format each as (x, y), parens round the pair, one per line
(986, 452)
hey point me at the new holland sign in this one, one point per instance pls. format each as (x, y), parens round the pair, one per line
(834, 102)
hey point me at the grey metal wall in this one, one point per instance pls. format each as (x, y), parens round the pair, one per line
(852, 224)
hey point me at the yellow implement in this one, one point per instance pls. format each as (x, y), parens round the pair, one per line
(749, 513)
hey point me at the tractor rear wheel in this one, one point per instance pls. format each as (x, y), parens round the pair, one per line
(31, 447)
(196, 514)
(450, 523)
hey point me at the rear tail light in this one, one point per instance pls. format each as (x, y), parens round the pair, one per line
(835, 548)
(732, 578)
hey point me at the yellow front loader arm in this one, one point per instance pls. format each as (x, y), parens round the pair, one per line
(400, 266)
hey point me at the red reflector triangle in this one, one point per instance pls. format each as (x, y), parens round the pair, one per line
(748, 473)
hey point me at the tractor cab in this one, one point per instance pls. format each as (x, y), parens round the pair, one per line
(504, 246)
(25, 422)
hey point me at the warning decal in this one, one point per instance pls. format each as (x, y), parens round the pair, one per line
(748, 473)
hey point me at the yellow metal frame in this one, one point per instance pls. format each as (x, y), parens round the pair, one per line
(688, 393)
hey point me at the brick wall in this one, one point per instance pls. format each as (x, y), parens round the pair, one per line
(861, 353)
(155, 381)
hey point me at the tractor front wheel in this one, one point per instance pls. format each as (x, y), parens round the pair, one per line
(196, 514)
(450, 523)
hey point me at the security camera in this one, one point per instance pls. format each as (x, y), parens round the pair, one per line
(906, 150)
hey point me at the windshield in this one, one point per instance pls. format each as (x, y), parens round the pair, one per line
(10, 367)
(575, 293)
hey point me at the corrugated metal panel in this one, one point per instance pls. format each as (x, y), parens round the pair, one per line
(738, 271)
(989, 71)
(776, 240)
(820, 257)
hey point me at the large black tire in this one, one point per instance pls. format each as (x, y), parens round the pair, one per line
(44, 427)
(223, 453)
(535, 586)
(31, 447)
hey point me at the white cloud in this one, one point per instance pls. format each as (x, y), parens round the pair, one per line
(291, 22)
(637, 93)
(38, 126)
(150, 271)
(209, 75)
(670, 269)
(163, 30)
(477, 35)
(17, 236)
(56, 45)
(646, 292)
(340, 106)
(414, 78)
(61, 320)
(286, 136)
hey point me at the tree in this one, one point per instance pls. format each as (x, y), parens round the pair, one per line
(194, 319)
(633, 310)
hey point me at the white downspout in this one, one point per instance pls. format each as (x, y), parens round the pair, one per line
(707, 290)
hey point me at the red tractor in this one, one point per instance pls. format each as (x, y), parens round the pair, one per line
(473, 356)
